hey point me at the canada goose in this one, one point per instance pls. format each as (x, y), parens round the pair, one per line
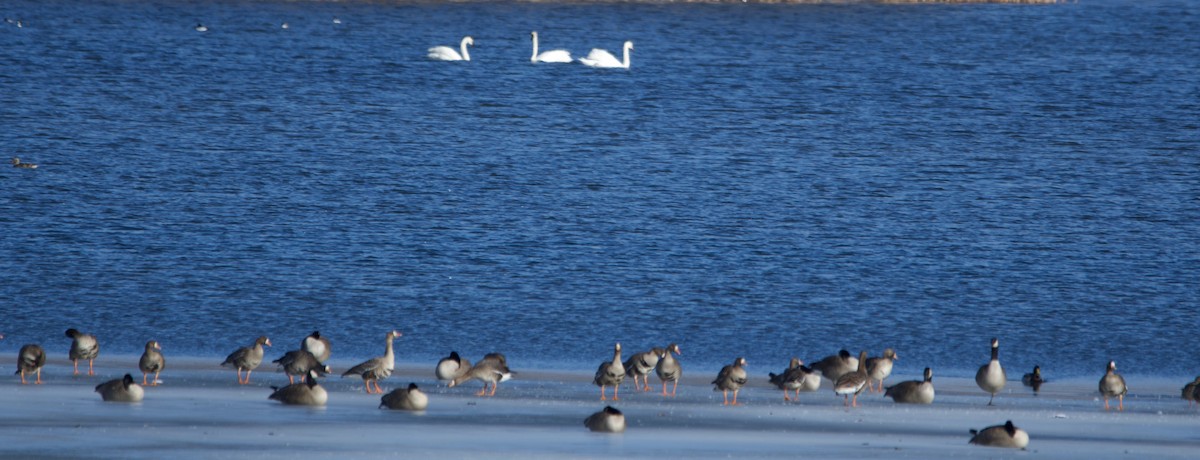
(1033, 379)
(299, 362)
(853, 382)
(611, 373)
(1113, 385)
(607, 420)
(834, 366)
(247, 358)
(731, 378)
(491, 369)
(668, 368)
(30, 359)
(913, 391)
(317, 345)
(378, 368)
(16, 162)
(152, 361)
(1190, 390)
(991, 377)
(411, 398)
(83, 346)
(121, 390)
(452, 366)
(1005, 435)
(307, 393)
(878, 369)
(641, 365)
(796, 377)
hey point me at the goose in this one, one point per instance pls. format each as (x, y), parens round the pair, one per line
(796, 377)
(611, 373)
(411, 398)
(307, 393)
(201, 28)
(30, 359)
(991, 377)
(452, 366)
(604, 59)
(607, 420)
(1113, 385)
(16, 162)
(83, 346)
(152, 361)
(731, 378)
(247, 358)
(832, 367)
(1190, 390)
(880, 368)
(121, 390)
(853, 382)
(446, 53)
(913, 391)
(668, 368)
(299, 362)
(492, 369)
(317, 345)
(641, 365)
(1033, 379)
(1005, 435)
(548, 56)
(375, 369)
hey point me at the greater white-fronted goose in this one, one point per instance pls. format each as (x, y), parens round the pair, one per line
(247, 358)
(451, 367)
(607, 420)
(641, 365)
(879, 368)
(611, 373)
(782, 382)
(317, 345)
(83, 346)
(852, 383)
(298, 363)
(731, 378)
(16, 162)
(307, 393)
(1113, 385)
(669, 369)
(832, 367)
(121, 390)
(1005, 435)
(797, 377)
(913, 391)
(1033, 379)
(152, 361)
(30, 359)
(492, 369)
(1190, 390)
(991, 377)
(378, 368)
(411, 398)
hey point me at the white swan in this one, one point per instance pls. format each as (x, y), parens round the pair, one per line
(446, 53)
(549, 56)
(605, 59)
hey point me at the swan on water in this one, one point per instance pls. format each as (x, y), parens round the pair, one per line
(446, 53)
(549, 56)
(605, 59)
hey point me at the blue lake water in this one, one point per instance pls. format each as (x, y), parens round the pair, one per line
(765, 181)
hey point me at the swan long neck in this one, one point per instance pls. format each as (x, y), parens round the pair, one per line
(462, 46)
(625, 62)
(535, 48)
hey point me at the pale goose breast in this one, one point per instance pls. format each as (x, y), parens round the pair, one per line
(669, 369)
(152, 361)
(307, 393)
(731, 378)
(411, 398)
(318, 345)
(611, 373)
(1112, 385)
(121, 390)
(607, 420)
(83, 346)
(878, 369)
(375, 369)
(1006, 435)
(452, 367)
(991, 377)
(852, 383)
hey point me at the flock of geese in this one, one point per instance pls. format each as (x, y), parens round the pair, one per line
(849, 375)
(596, 58)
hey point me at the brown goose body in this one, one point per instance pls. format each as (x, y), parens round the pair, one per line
(834, 366)
(411, 398)
(611, 373)
(1112, 385)
(30, 360)
(731, 378)
(375, 369)
(152, 361)
(607, 420)
(669, 369)
(913, 391)
(121, 390)
(852, 383)
(640, 365)
(247, 358)
(991, 377)
(83, 347)
(1006, 435)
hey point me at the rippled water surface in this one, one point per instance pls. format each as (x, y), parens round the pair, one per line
(765, 181)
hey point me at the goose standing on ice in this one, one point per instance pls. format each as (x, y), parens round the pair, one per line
(669, 369)
(492, 369)
(852, 383)
(991, 377)
(411, 398)
(607, 420)
(835, 366)
(1112, 385)
(247, 358)
(1033, 379)
(1190, 390)
(446, 53)
(604, 59)
(878, 369)
(797, 377)
(121, 390)
(83, 346)
(548, 56)
(451, 367)
(378, 368)
(152, 361)
(1006, 435)
(611, 373)
(299, 363)
(731, 378)
(641, 365)
(31, 359)
(913, 391)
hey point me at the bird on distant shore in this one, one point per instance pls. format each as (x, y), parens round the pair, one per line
(121, 390)
(731, 378)
(31, 359)
(832, 367)
(1033, 379)
(852, 383)
(669, 369)
(411, 398)
(492, 369)
(1112, 385)
(991, 377)
(83, 346)
(607, 420)
(306, 393)
(913, 391)
(451, 367)
(247, 358)
(797, 377)
(878, 369)
(611, 373)
(1006, 435)
(16, 162)
(152, 361)
(318, 345)
(378, 368)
